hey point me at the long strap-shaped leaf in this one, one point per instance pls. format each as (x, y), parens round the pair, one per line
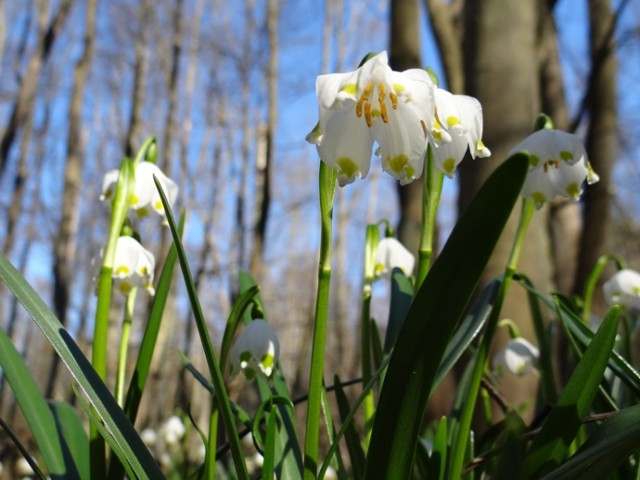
(606, 448)
(123, 436)
(432, 319)
(551, 446)
(220, 391)
(35, 409)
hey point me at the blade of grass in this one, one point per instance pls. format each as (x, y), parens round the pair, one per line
(551, 446)
(75, 442)
(221, 396)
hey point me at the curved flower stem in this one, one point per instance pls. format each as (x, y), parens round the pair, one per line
(432, 188)
(327, 190)
(124, 346)
(460, 441)
(592, 280)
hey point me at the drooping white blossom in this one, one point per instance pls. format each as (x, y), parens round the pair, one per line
(256, 350)
(558, 166)
(391, 254)
(518, 356)
(374, 104)
(173, 430)
(145, 197)
(133, 266)
(456, 127)
(623, 289)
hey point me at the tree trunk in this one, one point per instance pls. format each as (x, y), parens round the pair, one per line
(601, 142)
(404, 53)
(500, 46)
(139, 75)
(31, 78)
(65, 242)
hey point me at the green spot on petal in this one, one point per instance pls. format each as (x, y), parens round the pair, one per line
(350, 88)
(410, 171)
(142, 212)
(449, 165)
(347, 167)
(375, 113)
(125, 287)
(534, 160)
(398, 88)
(539, 198)
(453, 121)
(245, 356)
(133, 200)
(267, 361)
(122, 269)
(397, 163)
(573, 190)
(566, 156)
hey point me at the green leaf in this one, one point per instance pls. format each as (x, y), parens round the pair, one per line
(221, 395)
(401, 297)
(356, 454)
(551, 446)
(268, 467)
(432, 318)
(120, 430)
(606, 448)
(75, 442)
(468, 329)
(147, 346)
(438, 459)
(35, 410)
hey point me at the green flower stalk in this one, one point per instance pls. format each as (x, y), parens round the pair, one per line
(327, 190)
(460, 441)
(593, 280)
(124, 345)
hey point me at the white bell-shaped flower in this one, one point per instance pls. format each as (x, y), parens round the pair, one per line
(391, 254)
(256, 350)
(558, 166)
(623, 289)
(173, 430)
(133, 266)
(518, 356)
(374, 104)
(145, 196)
(456, 126)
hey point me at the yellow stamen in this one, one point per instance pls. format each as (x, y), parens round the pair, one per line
(367, 114)
(394, 100)
(383, 113)
(364, 98)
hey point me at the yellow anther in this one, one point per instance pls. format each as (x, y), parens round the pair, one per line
(394, 100)
(367, 114)
(424, 128)
(383, 113)
(364, 98)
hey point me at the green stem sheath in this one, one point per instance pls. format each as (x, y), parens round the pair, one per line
(124, 346)
(431, 191)
(327, 190)
(460, 441)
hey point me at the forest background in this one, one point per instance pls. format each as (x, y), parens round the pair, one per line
(228, 90)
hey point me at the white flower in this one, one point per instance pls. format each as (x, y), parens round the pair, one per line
(374, 104)
(145, 196)
(456, 126)
(623, 289)
(392, 254)
(518, 357)
(558, 166)
(149, 437)
(133, 266)
(173, 430)
(256, 350)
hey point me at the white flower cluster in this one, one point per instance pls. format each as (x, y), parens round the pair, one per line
(133, 264)
(402, 112)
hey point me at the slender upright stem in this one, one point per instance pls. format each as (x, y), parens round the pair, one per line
(101, 327)
(327, 189)
(124, 346)
(460, 441)
(432, 188)
(592, 280)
